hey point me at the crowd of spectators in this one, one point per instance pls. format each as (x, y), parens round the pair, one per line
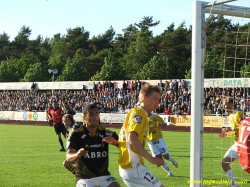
(175, 98)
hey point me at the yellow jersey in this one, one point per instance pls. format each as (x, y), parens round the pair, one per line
(136, 121)
(234, 120)
(154, 132)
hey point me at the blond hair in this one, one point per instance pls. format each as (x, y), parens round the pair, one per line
(147, 91)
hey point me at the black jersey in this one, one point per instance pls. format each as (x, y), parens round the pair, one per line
(95, 162)
(69, 111)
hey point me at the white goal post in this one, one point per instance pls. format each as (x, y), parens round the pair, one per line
(198, 56)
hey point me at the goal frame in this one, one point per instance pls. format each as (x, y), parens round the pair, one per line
(200, 8)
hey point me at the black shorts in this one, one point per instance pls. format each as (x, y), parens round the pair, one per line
(60, 128)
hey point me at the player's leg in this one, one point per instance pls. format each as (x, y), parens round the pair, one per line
(114, 184)
(60, 140)
(58, 134)
(170, 158)
(69, 166)
(165, 153)
(229, 157)
(165, 166)
(102, 181)
(65, 132)
(155, 150)
(225, 164)
(51, 123)
(62, 129)
(139, 176)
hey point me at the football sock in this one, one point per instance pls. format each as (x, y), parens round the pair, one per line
(230, 175)
(170, 158)
(61, 142)
(166, 168)
(72, 169)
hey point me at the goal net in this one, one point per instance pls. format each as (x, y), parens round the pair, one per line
(220, 47)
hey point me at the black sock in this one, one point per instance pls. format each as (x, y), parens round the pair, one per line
(61, 142)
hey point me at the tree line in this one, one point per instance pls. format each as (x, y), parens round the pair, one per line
(130, 55)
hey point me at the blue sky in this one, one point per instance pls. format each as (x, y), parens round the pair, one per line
(49, 17)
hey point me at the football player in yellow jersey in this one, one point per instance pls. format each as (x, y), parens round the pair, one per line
(132, 139)
(157, 144)
(234, 120)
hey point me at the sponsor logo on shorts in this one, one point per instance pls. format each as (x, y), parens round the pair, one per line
(155, 142)
(111, 179)
(162, 150)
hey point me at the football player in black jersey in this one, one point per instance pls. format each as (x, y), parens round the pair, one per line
(70, 125)
(88, 147)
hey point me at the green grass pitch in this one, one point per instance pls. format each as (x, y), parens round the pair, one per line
(30, 156)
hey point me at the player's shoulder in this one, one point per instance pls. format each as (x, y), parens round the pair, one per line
(76, 126)
(101, 128)
(154, 116)
(158, 117)
(236, 114)
(138, 111)
(246, 121)
(239, 112)
(80, 129)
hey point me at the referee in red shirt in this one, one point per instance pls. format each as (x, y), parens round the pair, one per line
(57, 115)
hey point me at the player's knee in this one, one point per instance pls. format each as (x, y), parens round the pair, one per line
(224, 164)
(166, 156)
(221, 163)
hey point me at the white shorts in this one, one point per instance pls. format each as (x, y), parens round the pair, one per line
(139, 176)
(102, 181)
(158, 147)
(232, 151)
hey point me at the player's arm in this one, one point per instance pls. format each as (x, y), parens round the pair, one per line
(49, 117)
(73, 150)
(161, 122)
(112, 139)
(225, 131)
(72, 154)
(134, 141)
